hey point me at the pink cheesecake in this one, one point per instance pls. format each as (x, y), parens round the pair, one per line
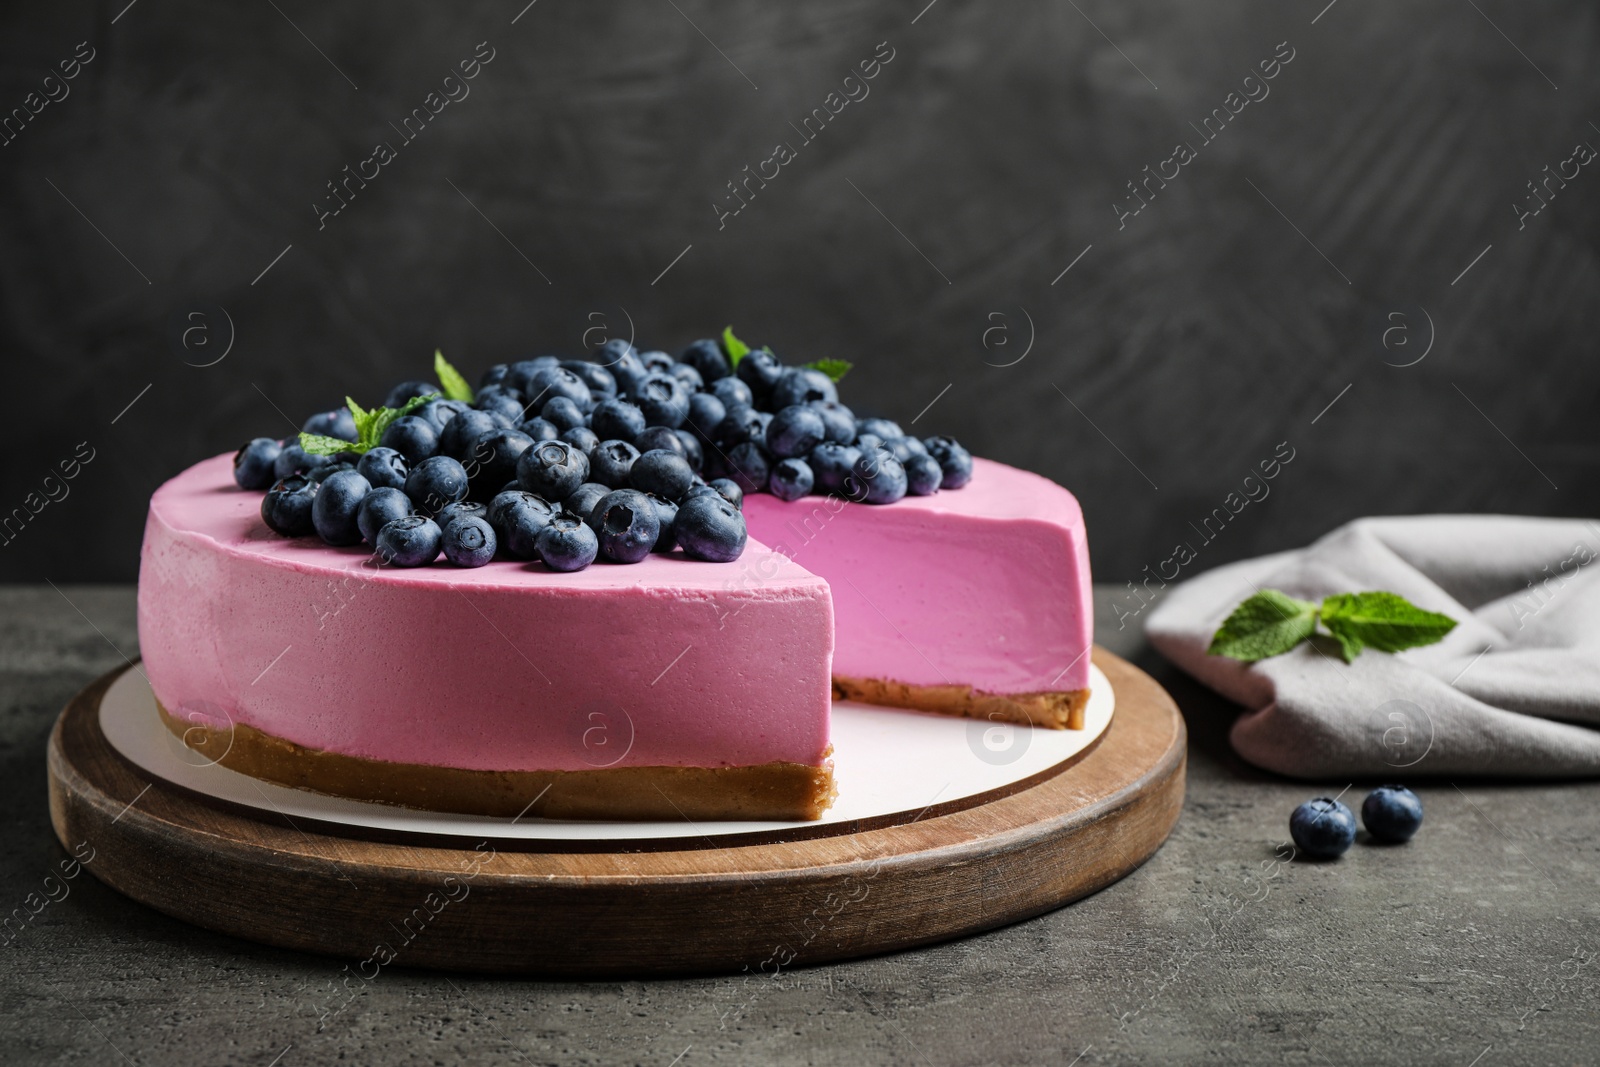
(666, 689)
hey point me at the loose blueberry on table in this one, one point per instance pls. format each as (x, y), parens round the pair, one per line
(1322, 828)
(613, 457)
(1391, 813)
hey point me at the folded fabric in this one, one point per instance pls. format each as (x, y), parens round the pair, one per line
(1512, 691)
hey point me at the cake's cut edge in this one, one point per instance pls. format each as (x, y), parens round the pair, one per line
(1061, 710)
(776, 791)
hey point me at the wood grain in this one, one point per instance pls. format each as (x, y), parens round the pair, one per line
(760, 907)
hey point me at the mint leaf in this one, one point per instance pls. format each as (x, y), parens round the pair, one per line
(833, 368)
(735, 348)
(1386, 621)
(455, 386)
(380, 419)
(318, 445)
(1269, 623)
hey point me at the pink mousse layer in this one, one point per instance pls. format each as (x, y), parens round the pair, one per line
(668, 662)
(985, 586)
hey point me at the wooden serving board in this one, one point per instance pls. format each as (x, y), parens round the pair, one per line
(700, 906)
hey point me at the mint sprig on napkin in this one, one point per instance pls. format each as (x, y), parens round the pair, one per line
(369, 428)
(1271, 623)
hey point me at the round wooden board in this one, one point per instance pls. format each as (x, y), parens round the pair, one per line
(763, 906)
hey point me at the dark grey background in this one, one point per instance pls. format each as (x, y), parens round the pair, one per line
(191, 149)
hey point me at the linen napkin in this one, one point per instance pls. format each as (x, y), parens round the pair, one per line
(1513, 691)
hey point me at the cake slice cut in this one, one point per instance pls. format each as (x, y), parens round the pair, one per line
(668, 689)
(974, 602)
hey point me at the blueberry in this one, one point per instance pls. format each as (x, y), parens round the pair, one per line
(494, 375)
(656, 361)
(384, 468)
(286, 509)
(923, 475)
(468, 541)
(732, 392)
(690, 444)
(663, 400)
(611, 461)
(552, 469)
(517, 518)
(322, 473)
(435, 482)
(252, 464)
(882, 428)
(838, 421)
(1322, 828)
(742, 423)
(333, 510)
(500, 400)
(461, 431)
(831, 463)
(622, 360)
(905, 447)
(466, 508)
(413, 437)
(883, 475)
(550, 382)
(1391, 813)
(628, 526)
(617, 419)
(868, 441)
(567, 544)
(956, 461)
(408, 391)
(582, 438)
(666, 516)
(337, 423)
(659, 437)
(790, 479)
(706, 356)
(760, 370)
(709, 528)
(749, 466)
(602, 384)
(540, 429)
(440, 412)
(581, 501)
(412, 541)
(802, 385)
(794, 431)
(705, 412)
(521, 373)
(688, 376)
(562, 412)
(378, 508)
(492, 461)
(292, 460)
(661, 472)
(729, 490)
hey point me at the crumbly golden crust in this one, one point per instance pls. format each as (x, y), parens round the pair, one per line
(765, 791)
(1057, 711)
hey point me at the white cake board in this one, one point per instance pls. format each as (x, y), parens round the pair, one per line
(886, 762)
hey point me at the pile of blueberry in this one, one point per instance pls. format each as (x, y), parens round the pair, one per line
(1324, 828)
(566, 461)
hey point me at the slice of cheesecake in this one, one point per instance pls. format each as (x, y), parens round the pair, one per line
(971, 602)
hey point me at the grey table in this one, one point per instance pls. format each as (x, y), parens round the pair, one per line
(1473, 945)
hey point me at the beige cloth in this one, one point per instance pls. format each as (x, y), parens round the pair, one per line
(1513, 691)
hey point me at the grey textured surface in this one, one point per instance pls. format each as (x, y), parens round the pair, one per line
(1190, 342)
(1474, 944)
